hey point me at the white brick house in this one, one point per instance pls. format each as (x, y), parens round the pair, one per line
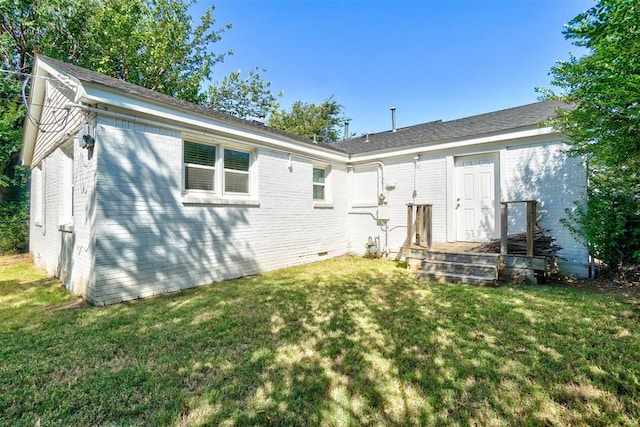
(134, 193)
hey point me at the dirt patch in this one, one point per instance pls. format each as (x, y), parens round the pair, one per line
(14, 259)
(625, 284)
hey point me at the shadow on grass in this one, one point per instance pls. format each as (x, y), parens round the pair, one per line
(346, 341)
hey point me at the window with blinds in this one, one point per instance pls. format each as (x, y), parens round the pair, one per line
(207, 167)
(236, 171)
(199, 166)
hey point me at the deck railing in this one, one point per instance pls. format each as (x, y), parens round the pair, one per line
(419, 225)
(419, 230)
(532, 218)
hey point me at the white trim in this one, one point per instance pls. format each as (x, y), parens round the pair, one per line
(189, 199)
(449, 145)
(100, 95)
(451, 198)
(494, 156)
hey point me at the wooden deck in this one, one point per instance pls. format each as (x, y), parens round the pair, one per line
(450, 260)
(517, 269)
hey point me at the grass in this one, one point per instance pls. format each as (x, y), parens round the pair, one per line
(343, 342)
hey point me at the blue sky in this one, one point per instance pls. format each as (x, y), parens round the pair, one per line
(430, 59)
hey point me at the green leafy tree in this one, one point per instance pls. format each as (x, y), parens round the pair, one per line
(321, 122)
(246, 97)
(151, 43)
(603, 86)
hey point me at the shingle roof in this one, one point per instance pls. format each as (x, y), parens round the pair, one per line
(423, 134)
(438, 131)
(88, 76)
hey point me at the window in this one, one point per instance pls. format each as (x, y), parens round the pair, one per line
(66, 191)
(319, 184)
(236, 172)
(216, 169)
(36, 195)
(199, 166)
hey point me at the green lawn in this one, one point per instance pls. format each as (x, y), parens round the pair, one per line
(343, 342)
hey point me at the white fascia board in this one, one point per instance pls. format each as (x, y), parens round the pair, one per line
(42, 72)
(449, 145)
(34, 113)
(99, 95)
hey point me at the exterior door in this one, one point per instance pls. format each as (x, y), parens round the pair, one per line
(475, 208)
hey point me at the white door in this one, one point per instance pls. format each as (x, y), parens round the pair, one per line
(475, 207)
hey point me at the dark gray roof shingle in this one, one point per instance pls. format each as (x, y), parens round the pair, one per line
(439, 131)
(423, 134)
(84, 75)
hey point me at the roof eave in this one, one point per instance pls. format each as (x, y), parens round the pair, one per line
(33, 113)
(96, 94)
(512, 134)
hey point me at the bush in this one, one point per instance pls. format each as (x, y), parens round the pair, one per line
(609, 221)
(14, 227)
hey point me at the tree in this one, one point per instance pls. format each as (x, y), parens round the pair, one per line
(320, 122)
(151, 43)
(603, 86)
(243, 97)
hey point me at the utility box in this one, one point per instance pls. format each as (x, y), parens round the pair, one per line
(383, 214)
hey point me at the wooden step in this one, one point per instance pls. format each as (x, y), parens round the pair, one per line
(455, 278)
(460, 267)
(463, 257)
(483, 270)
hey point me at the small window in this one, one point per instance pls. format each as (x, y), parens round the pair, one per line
(36, 194)
(236, 171)
(199, 166)
(319, 185)
(67, 185)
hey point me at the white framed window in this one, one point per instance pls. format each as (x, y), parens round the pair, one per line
(199, 166)
(236, 171)
(67, 187)
(36, 195)
(217, 173)
(319, 184)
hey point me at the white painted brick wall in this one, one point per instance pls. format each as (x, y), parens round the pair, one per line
(46, 240)
(533, 169)
(544, 172)
(134, 237)
(430, 185)
(149, 242)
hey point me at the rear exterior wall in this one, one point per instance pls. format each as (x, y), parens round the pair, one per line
(536, 168)
(151, 239)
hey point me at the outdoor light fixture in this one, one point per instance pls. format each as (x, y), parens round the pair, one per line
(87, 141)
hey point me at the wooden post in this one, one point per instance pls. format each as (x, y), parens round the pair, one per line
(409, 224)
(419, 225)
(531, 224)
(504, 227)
(428, 225)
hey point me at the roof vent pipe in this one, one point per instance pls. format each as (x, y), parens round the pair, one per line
(393, 119)
(346, 129)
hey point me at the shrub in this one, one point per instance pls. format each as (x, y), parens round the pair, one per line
(609, 221)
(14, 227)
